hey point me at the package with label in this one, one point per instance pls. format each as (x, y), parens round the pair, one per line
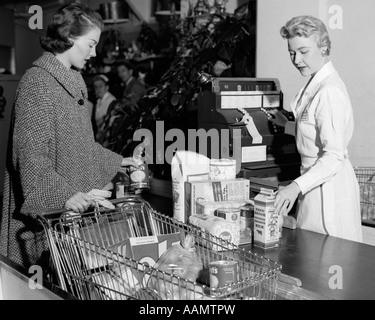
(125, 277)
(213, 208)
(186, 166)
(146, 249)
(208, 190)
(266, 221)
(219, 227)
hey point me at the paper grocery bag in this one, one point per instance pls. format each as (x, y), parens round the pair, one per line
(186, 166)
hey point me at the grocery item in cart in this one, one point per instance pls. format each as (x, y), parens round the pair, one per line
(114, 283)
(89, 263)
(222, 273)
(180, 260)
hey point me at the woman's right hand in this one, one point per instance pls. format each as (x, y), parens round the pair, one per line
(79, 202)
(131, 161)
(279, 118)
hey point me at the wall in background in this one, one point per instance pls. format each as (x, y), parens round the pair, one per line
(350, 26)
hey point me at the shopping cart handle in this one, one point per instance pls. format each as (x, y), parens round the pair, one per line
(54, 213)
(51, 213)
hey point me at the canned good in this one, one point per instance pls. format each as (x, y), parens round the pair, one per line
(229, 214)
(120, 190)
(139, 177)
(222, 169)
(247, 217)
(222, 273)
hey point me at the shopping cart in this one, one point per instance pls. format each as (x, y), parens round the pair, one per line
(366, 180)
(88, 266)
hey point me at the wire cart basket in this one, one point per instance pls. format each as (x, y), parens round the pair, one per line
(366, 180)
(88, 265)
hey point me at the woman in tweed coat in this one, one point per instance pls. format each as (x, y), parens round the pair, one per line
(53, 160)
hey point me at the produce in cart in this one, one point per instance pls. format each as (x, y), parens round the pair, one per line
(182, 261)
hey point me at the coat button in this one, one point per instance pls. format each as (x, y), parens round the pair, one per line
(81, 102)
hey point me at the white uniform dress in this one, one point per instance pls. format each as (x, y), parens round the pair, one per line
(329, 202)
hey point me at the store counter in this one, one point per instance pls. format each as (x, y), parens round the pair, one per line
(331, 267)
(327, 267)
(314, 266)
(15, 284)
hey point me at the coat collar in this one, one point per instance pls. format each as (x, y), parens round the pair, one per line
(323, 73)
(67, 78)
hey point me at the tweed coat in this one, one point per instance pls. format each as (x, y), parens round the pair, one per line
(51, 155)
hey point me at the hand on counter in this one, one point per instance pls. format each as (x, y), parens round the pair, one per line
(285, 198)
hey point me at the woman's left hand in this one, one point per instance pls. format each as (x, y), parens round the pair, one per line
(285, 198)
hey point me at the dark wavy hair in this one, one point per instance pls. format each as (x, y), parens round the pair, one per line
(69, 22)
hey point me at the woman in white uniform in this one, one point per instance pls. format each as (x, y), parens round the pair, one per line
(327, 189)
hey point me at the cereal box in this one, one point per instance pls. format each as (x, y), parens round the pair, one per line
(209, 190)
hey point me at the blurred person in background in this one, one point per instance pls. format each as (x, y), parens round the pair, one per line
(104, 99)
(133, 88)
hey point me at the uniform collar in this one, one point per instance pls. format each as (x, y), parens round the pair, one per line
(323, 73)
(66, 77)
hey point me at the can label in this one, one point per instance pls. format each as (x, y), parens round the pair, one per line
(139, 176)
(222, 273)
(120, 190)
(229, 214)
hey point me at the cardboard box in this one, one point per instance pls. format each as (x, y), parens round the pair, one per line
(146, 249)
(266, 221)
(208, 190)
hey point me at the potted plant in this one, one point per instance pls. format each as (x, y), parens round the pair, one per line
(216, 44)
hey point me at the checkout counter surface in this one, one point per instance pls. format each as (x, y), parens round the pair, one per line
(316, 260)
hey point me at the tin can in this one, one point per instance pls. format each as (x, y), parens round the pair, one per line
(247, 217)
(229, 214)
(222, 169)
(120, 190)
(139, 177)
(222, 273)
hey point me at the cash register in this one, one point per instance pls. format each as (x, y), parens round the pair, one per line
(241, 106)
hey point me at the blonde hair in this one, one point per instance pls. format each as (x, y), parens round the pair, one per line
(306, 26)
